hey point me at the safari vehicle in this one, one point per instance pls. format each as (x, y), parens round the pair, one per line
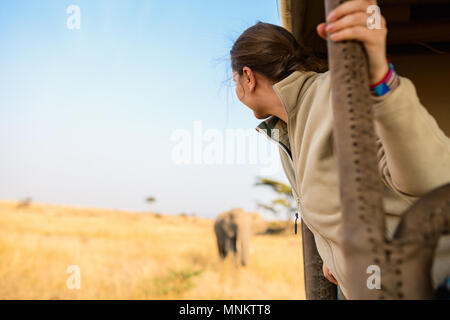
(419, 47)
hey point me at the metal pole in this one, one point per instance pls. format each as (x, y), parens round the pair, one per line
(317, 287)
(405, 261)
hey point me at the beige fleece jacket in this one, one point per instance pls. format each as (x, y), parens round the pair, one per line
(414, 158)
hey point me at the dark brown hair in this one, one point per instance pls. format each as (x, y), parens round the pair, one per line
(272, 51)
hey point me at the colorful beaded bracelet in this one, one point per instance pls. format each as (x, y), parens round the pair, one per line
(389, 82)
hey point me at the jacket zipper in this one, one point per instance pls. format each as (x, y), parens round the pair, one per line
(297, 198)
(296, 215)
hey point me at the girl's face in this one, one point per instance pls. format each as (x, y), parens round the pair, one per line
(239, 88)
(248, 96)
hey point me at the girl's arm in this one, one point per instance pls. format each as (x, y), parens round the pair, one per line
(416, 152)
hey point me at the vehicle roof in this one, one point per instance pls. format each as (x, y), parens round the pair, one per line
(411, 23)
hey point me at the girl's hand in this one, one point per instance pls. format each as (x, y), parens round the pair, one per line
(327, 273)
(349, 22)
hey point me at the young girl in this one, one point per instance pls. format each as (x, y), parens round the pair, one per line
(278, 80)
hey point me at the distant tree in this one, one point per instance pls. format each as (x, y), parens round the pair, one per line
(284, 202)
(24, 203)
(150, 200)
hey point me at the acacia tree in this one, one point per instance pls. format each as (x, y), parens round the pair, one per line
(284, 202)
(150, 200)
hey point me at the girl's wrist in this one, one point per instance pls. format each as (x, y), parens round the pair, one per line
(380, 72)
(387, 83)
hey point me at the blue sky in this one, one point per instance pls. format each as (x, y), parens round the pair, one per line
(86, 116)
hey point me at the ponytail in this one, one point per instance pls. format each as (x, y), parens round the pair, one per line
(272, 51)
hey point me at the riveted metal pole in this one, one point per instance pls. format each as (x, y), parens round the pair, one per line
(404, 262)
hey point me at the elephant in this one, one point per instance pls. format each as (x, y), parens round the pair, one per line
(233, 230)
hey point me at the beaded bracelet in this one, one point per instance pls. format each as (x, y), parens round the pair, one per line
(389, 82)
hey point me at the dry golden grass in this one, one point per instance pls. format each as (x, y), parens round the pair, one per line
(124, 255)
